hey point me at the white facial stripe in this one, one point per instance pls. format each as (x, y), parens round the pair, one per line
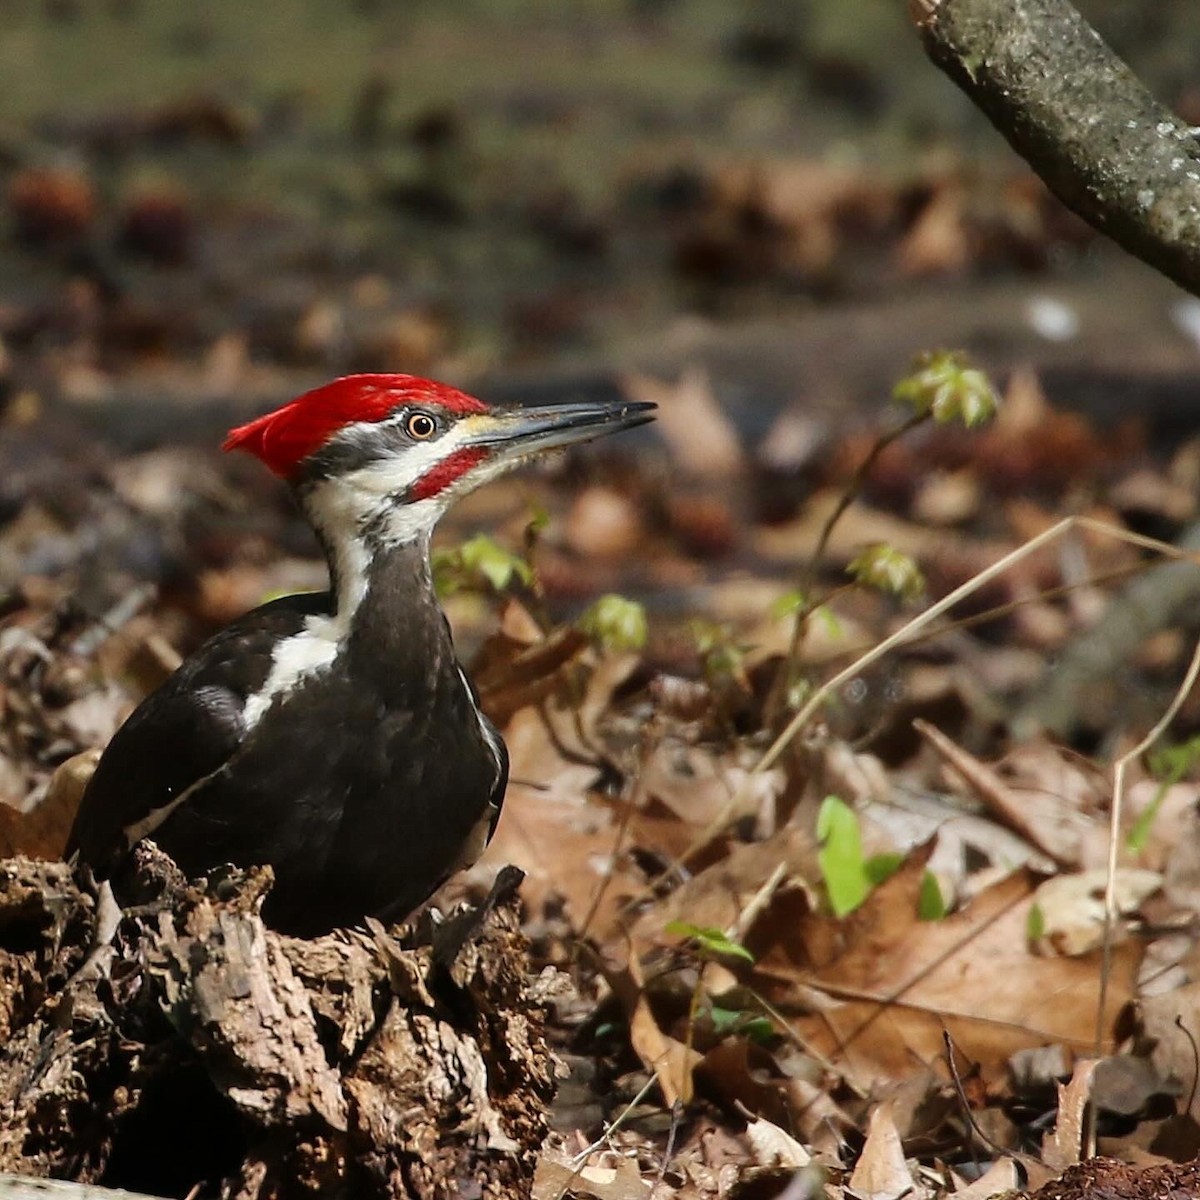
(394, 474)
(343, 508)
(345, 505)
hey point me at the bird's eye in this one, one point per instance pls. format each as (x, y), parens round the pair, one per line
(420, 426)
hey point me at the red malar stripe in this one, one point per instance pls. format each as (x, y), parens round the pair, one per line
(438, 478)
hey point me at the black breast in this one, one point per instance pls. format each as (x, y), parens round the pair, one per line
(362, 784)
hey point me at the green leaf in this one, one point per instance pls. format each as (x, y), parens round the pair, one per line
(881, 867)
(1035, 923)
(1169, 765)
(721, 655)
(539, 518)
(482, 556)
(830, 619)
(728, 1021)
(841, 856)
(710, 941)
(478, 564)
(931, 904)
(945, 386)
(1139, 835)
(615, 623)
(887, 570)
(790, 602)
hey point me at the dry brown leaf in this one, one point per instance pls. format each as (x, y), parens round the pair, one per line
(999, 1179)
(42, 832)
(1065, 1146)
(614, 1177)
(670, 1059)
(555, 833)
(703, 440)
(773, 1147)
(717, 896)
(903, 982)
(939, 243)
(603, 523)
(881, 1172)
(1054, 826)
(1073, 912)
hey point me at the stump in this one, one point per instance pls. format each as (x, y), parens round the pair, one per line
(197, 1046)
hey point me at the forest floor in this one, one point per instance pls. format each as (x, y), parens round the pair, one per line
(871, 958)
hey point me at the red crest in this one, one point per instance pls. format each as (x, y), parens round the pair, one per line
(288, 435)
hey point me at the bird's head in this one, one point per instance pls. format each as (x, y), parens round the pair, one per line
(390, 453)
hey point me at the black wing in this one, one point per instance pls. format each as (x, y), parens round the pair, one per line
(181, 734)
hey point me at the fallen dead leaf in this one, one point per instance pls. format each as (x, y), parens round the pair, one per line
(881, 1172)
(1066, 1145)
(1071, 907)
(999, 1179)
(614, 1177)
(902, 982)
(703, 441)
(773, 1147)
(42, 832)
(670, 1059)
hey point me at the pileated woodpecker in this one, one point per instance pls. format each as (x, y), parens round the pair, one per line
(334, 736)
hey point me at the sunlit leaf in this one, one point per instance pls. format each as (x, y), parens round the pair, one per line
(615, 623)
(1169, 765)
(1035, 923)
(718, 651)
(841, 856)
(787, 604)
(727, 1021)
(948, 388)
(887, 570)
(710, 941)
(478, 564)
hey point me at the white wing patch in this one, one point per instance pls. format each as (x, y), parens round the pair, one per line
(312, 649)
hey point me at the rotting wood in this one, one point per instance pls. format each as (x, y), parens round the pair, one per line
(23, 1187)
(203, 1048)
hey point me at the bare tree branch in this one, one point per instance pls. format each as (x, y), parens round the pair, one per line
(1080, 117)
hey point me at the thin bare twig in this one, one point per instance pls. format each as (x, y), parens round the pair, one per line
(1120, 767)
(629, 803)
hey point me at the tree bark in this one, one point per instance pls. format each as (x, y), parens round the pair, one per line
(1080, 117)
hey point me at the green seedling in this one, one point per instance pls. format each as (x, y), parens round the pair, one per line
(615, 623)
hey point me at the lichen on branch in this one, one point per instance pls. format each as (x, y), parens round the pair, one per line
(1080, 117)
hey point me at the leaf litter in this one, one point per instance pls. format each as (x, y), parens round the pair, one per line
(831, 969)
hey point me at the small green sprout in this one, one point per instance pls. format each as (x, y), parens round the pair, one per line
(944, 385)
(1169, 765)
(850, 877)
(841, 856)
(734, 1021)
(931, 904)
(720, 655)
(615, 623)
(887, 570)
(478, 564)
(792, 601)
(1035, 923)
(709, 941)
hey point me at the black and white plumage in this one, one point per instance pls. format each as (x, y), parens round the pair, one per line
(335, 736)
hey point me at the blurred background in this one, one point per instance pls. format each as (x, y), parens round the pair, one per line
(208, 207)
(478, 187)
